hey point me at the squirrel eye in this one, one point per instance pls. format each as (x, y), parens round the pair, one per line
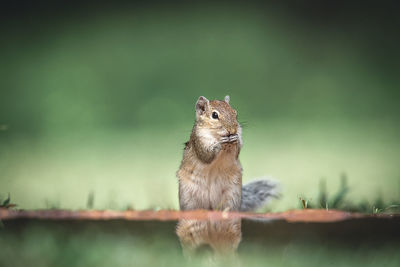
(214, 115)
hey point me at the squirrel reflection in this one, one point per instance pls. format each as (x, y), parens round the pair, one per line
(222, 237)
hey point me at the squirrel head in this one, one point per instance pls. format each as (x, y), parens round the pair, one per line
(217, 116)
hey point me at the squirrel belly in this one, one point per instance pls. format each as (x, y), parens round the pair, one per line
(215, 186)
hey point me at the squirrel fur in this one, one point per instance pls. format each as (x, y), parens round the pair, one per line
(210, 174)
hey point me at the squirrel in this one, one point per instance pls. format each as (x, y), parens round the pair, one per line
(210, 174)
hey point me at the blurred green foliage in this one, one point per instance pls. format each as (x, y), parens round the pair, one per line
(102, 101)
(341, 200)
(122, 243)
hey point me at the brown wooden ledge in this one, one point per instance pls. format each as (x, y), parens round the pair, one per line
(311, 215)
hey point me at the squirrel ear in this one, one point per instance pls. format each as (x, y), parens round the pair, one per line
(227, 98)
(201, 104)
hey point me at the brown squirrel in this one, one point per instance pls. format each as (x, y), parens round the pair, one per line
(210, 174)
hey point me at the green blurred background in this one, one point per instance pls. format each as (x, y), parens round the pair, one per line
(98, 99)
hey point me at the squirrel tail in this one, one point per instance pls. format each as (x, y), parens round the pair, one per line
(258, 193)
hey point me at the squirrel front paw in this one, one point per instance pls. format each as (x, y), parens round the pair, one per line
(233, 138)
(224, 139)
(229, 139)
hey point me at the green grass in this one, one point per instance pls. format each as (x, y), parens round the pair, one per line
(341, 201)
(137, 169)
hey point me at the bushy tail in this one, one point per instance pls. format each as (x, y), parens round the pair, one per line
(258, 193)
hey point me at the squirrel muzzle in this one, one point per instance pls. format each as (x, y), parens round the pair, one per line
(232, 130)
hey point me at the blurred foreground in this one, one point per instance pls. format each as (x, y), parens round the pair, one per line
(356, 242)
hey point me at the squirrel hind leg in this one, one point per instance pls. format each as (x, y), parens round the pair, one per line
(257, 194)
